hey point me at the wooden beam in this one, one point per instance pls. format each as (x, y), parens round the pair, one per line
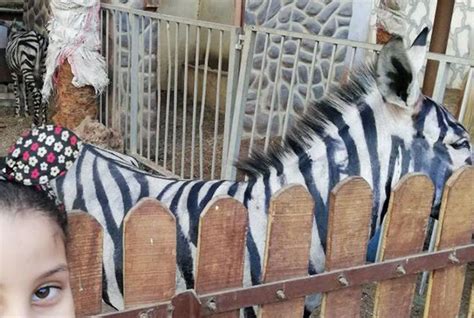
(439, 43)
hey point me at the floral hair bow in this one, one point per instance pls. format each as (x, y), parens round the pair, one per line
(41, 155)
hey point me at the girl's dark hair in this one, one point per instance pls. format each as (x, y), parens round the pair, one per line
(20, 199)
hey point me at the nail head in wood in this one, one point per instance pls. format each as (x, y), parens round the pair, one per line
(343, 280)
(401, 270)
(453, 258)
(211, 305)
(280, 294)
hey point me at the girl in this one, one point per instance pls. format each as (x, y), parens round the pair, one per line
(34, 277)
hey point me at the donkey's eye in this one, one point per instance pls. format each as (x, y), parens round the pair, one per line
(461, 143)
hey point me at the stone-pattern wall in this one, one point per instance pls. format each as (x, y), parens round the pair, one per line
(461, 39)
(323, 17)
(36, 15)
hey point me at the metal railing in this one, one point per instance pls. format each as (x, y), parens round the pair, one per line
(172, 88)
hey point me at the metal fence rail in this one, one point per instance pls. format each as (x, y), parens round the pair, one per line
(172, 88)
(302, 71)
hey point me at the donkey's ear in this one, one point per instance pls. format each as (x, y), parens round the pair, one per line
(394, 74)
(417, 52)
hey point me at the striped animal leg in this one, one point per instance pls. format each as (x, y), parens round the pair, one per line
(16, 90)
(44, 113)
(35, 93)
(26, 99)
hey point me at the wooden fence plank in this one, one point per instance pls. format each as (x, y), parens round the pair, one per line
(350, 207)
(85, 247)
(149, 254)
(403, 234)
(221, 248)
(456, 223)
(288, 241)
(186, 304)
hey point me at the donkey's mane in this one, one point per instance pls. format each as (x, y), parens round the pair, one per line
(312, 123)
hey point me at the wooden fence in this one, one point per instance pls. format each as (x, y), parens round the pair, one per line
(150, 255)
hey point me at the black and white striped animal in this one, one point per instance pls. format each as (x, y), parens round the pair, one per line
(25, 56)
(378, 126)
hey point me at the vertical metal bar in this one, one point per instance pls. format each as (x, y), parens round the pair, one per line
(141, 85)
(274, 93)
(232, 81)
(203, 106)
(175, 113)
(310, 76)
(150, 42)
(114, 71)
(185, 99)
(107, 52)
(158, 102)
(134, 85)
(122, 91)
(331, 68)
(467, 90)
(101, 30)
(128, 85)
(440, 84)
(217, 106)
(240, 100)
(351, 61)
(289, 105)
(259, 94)
(195, 93)
(431, 247)
(168, 94)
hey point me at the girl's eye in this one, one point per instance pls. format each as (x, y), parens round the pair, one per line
(45, 294)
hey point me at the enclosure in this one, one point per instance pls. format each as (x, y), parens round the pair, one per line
(150, 255)
(190, 97)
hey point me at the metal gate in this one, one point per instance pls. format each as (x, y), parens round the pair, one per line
(173, 86)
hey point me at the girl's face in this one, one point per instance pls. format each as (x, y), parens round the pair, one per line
(34, 277)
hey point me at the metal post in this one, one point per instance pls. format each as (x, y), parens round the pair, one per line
(240, 100)
(232, 80)
(441, 26)
(134, 81)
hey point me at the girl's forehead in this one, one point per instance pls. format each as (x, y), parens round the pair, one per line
(30, 228)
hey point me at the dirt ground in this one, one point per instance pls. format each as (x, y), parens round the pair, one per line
(10, 128)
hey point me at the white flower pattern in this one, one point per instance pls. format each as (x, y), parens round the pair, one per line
(42, 152)
(42, 137)
(32, 161)
(49, 141)
(54, 171)
(58, 147)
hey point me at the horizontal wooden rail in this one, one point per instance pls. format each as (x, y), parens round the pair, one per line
(329, 281)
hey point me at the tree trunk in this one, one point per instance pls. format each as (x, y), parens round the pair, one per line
(73, 104)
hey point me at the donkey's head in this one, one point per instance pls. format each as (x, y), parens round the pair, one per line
(439, 144)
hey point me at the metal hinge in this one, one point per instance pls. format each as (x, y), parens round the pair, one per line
(240, 44)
